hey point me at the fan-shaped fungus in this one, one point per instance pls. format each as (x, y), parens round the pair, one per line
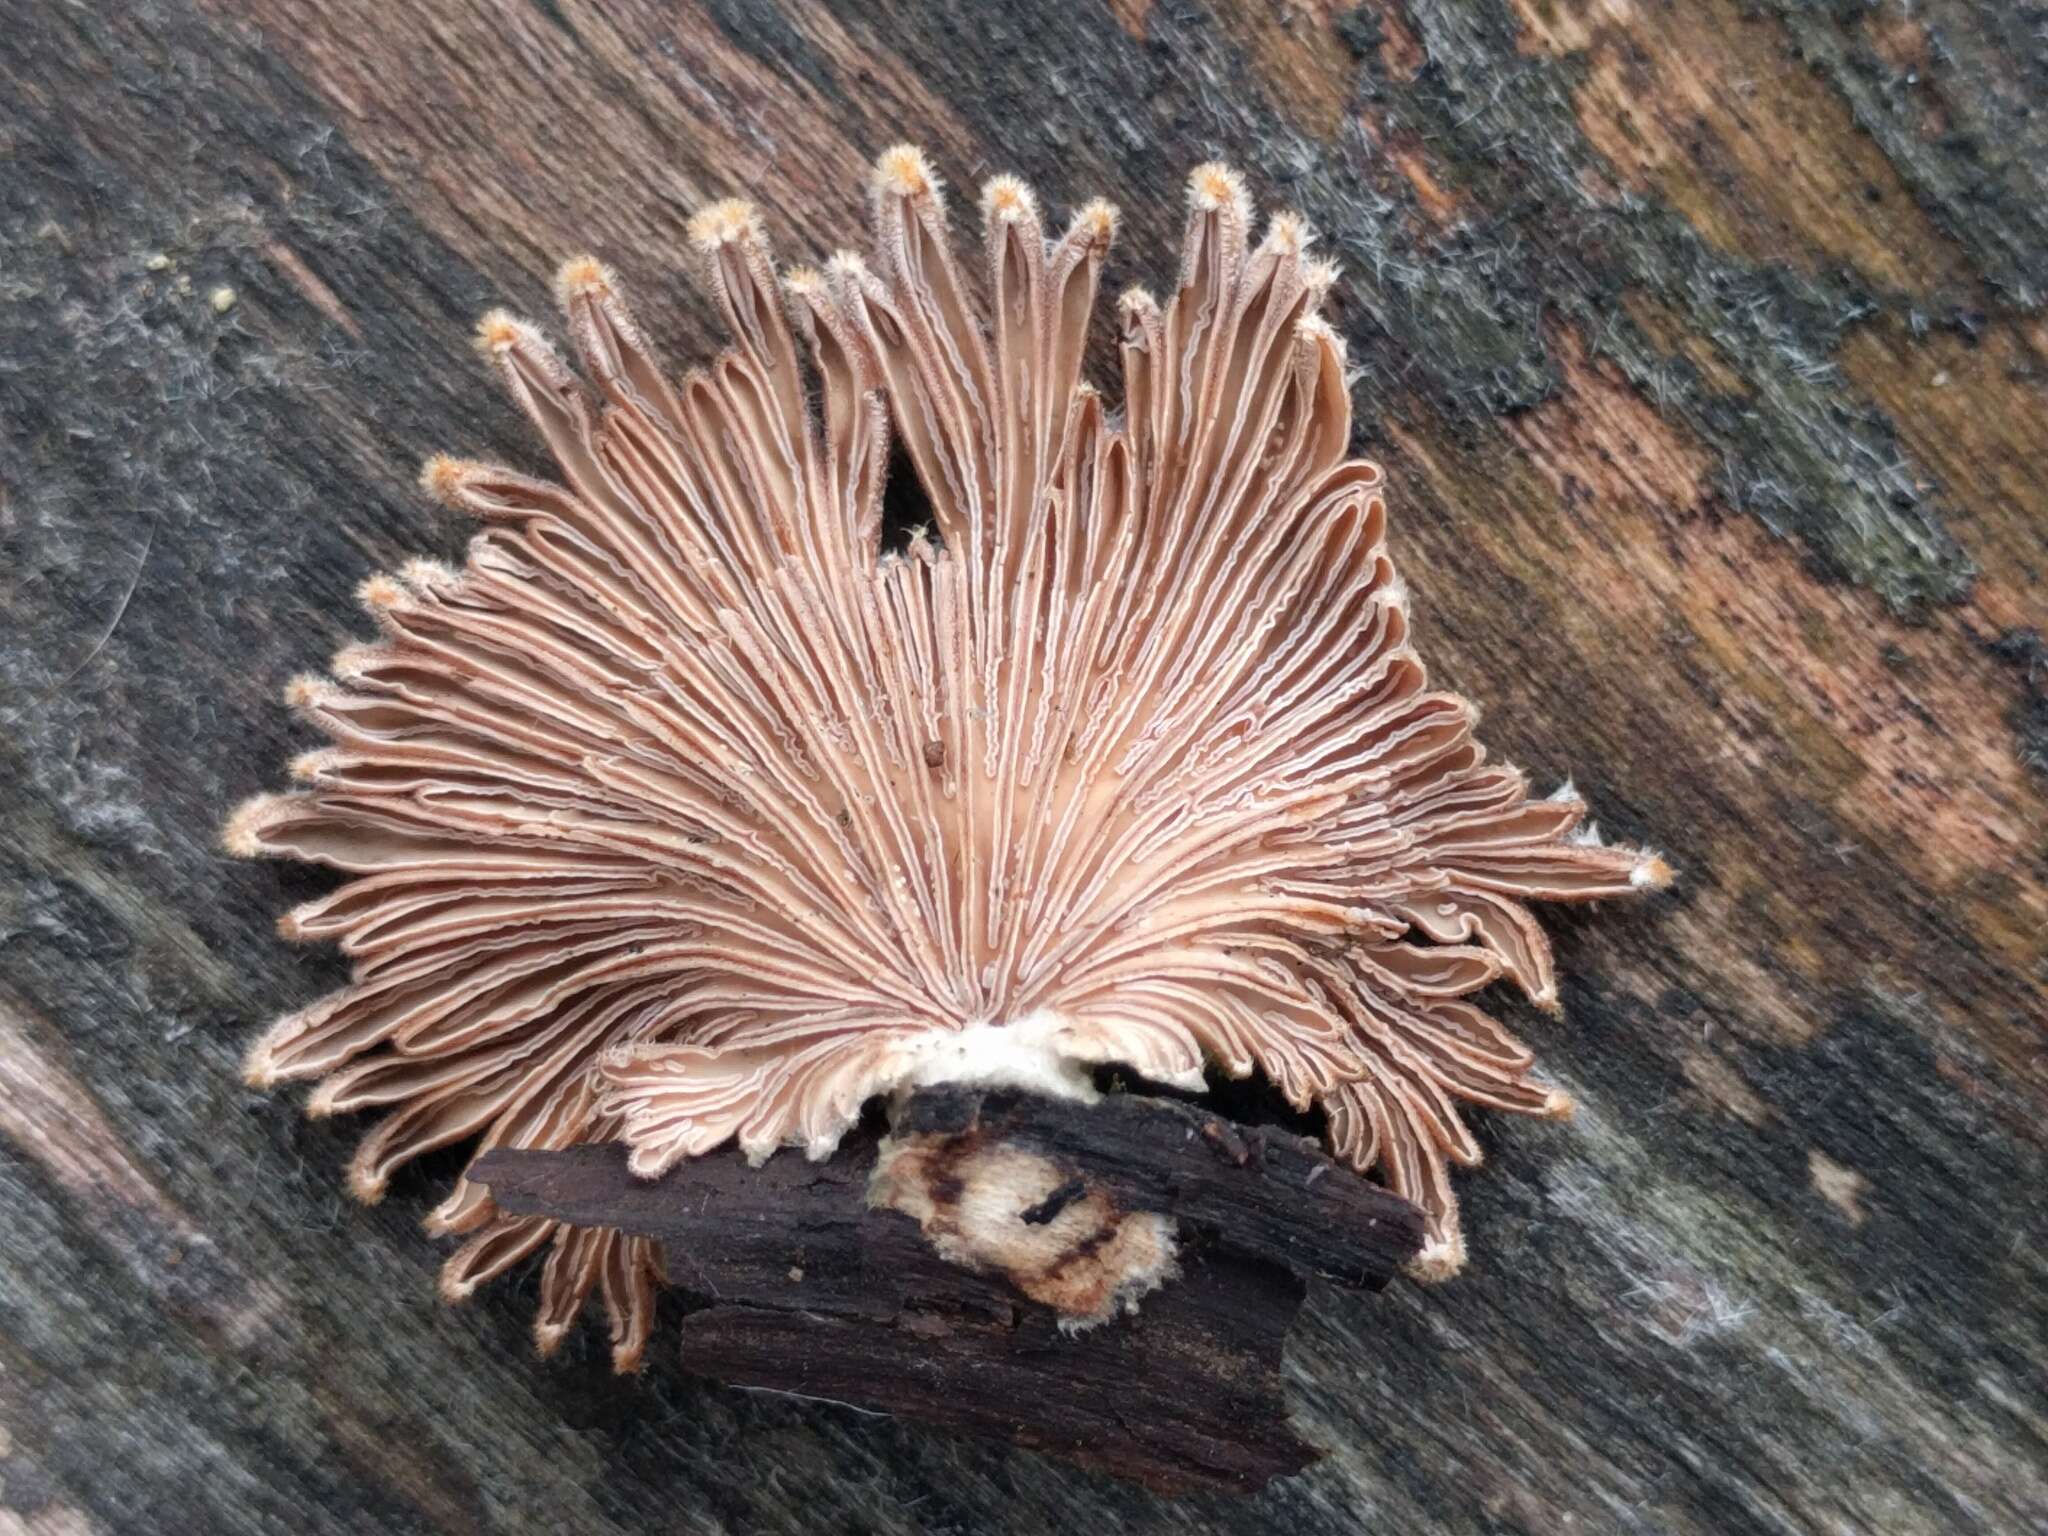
(685, 812)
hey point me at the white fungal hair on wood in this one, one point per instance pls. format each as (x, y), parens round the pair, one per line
(682, 815)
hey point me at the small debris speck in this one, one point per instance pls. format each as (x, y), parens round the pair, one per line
(158, 263)
(222, 299)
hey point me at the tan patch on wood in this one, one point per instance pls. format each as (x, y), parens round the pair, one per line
(1841, 1187)
(1561, 27)
(50, 1520)
(1975, 414)
(52, 1119)
(1973, 411)
(1294, 48)
(1673, 336)
(1708, 109)
(307, 281)
(1916, 762)
(1440, 206)
(1787, 691)
(1899, 37)
(1723, 1086)
(1599, 440)
(1131, 15)
(1401, 52)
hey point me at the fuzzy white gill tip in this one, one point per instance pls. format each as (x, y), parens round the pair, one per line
(382, 593)
(1215, 186)
(730, 221)
(500, 331)
(903, 171)
(443, 477)
(306, 691)
(1006, 199)
(1289, 234)
(1096, 220)
(242, 836)
(580, 276)
(1440, 1259)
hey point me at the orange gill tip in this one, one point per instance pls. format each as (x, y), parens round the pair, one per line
(1319, 277)
(1007, 199)
(804, 281)
(454, 1288)
(242, 835)
(1559, 1105)
(627, 1359)
(381, 593)
(443, 477)
(259, 1066)
(1096, 221)
(903, 171)
(291, 925)
(320, 1102)
(1652, 874)
(581, 275)
(366, 1185)
(728, 221)
(306, 691)
(258, 1071)
(500, 331)
(1215, 186)
(1135, 301)
(308, 766)
(547, 1337)
(1440, 1259)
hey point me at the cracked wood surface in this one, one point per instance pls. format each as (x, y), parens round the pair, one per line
(1704, 345)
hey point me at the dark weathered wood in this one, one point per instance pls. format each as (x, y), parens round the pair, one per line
(1263, 1193)
(1703, 343)
(796, 1285)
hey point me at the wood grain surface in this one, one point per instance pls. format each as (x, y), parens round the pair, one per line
(1703, 342)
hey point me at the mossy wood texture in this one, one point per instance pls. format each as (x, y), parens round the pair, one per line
(1704, 346)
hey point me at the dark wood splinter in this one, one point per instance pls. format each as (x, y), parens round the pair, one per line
(799, 1283)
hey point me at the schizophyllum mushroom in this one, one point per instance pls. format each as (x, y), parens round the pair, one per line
(687, 812)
